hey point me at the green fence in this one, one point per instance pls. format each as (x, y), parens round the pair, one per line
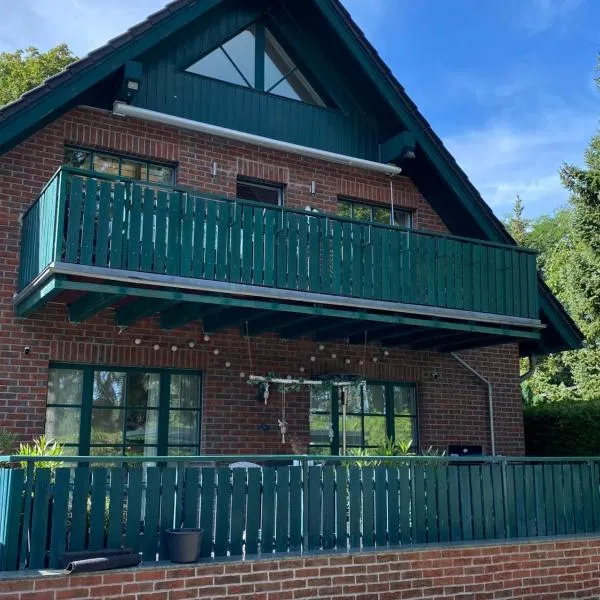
(94, 220)
(280, 508)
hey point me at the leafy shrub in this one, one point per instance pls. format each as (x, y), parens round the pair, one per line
(7, 442)
(563, 429)
(41, 446)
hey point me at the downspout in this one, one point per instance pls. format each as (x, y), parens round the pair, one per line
(490, 397)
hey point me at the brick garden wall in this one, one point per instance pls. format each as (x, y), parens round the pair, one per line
(542, 571)
(453, 407)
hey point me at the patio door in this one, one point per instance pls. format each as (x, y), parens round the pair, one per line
(373, 413)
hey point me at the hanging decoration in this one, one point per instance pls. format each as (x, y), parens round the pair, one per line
(283, 426)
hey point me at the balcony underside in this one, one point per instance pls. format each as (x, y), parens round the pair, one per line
(219, 305)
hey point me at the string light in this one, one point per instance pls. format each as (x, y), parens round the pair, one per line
(228, 364)
(312, 359)
(192, 344)
(334, 355)
(137, 341)
(156, 347)
(347, 361)
(302, 369)
(375, 359)
(207, 338)
(174, 348)
(386, 352)
(216, 352)
(242, 375)
(361, 362)
(321, 347)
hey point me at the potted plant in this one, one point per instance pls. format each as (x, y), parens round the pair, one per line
(183, 544)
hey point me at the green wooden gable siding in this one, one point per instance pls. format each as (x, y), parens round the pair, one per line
(167, 88)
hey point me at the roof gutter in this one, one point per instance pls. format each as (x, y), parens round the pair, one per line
(126, 110)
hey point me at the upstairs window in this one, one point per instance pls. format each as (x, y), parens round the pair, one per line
(373, 213)
(254, 59)
(258, 191)
(119, 166)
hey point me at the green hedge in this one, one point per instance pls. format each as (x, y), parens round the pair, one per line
(563, 429)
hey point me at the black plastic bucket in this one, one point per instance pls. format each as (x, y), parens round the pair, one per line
(184, 544)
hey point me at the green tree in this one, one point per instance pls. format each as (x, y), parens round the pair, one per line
(23, 70)
(517, 224)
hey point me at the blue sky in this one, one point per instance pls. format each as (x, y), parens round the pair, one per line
(507, 84)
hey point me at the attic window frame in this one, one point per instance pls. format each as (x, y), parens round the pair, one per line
(261, 34)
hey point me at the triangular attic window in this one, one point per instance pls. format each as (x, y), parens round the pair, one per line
(255, 59)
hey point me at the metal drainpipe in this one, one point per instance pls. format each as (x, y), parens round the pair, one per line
(490, 397)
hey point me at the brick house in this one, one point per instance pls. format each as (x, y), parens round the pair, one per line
(235, 189)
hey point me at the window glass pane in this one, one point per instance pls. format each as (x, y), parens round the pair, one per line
(404, 400)
(320, 429)
(302, 89)
(375, 399)
(185, 391)
(344, 209)
(286, 90)
(183, 451)
(65, 386)
(134, 169)
(375, 432)
(62, 424)
(353, 431)
(353, 399)
(109, 387)
(143, 390)
(241, 50)
(105, 163)
(218, 66)
(160, 174)
(259, 192)
(361, 212)
(382, 215)
(277, 63)
(141, 426)
(107, 426)
(403, 218)
(77, 158)
(320, 399)
(183, 428)
(319, 450)
(137, 450)
(404, 429)
(106, 451)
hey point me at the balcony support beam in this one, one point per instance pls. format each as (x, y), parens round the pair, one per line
(473, 342)
(140, 309)
(226, 318)
(382, 332)
(87, 306)
(182, 313)
(302, 327)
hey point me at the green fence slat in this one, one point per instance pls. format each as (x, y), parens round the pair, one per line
(223, 517)
(346, 259)
(328, 507)
(498, 493)
(529, 482)
(454, 503)
(476, 276)
(222, 265)
(187, 235)
(271, 240)
(515, 515)
(442, 504)
(578, 505)
(314, 508)
(568, 498)
(296, 500)
(199, 206)
(487, 499)
(354, 474)
(533, 291)
(292, 251)
(559, 500)
(97, 508)
(268, 511)
(282, 509)
(357, 260)
(39, 519)
(336, 258)
(500, 282)
(235, 266)
(135, 225)
(191, 497)
(152, 514)
(407, 266)
(342, 507)
(253, 511)
(257, 275)
(314, 255)
(595, 485)
(466, 508)
(395, 267)
(381, 517)
(419, 512)
(549, 505)
(540, 501)
(11, 510)
(118, 225)
(160, 244)
(179, 494)
(326, 258)
(430, 502)
(376, 247)
(134, 493)
(79, 508)
(281, 241)
(393, 506)
(386, 264)
(405, 505)
(476, 501)
(60, 511)
(368, 508)
(367, 258)
(173, 259)
(103, 225)
(116, 497)
(248, 247)
(167, 508)
(210, 252)
(587, 497)
(467, 273)
(74, 220)
(238, 511)
(148, 226)
(303, 250)
(89, 223)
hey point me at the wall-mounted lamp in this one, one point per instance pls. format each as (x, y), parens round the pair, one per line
(313, 188)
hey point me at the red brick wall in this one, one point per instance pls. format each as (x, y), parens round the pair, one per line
(453, 407)
(540, 571)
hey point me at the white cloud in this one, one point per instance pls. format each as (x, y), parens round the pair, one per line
(540, 15)
(506, 158)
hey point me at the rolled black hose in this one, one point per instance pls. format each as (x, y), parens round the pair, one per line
(68, 557)
(117, 561)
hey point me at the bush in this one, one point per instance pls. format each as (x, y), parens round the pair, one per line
(7, 441)
(563, 429)
(41, 446)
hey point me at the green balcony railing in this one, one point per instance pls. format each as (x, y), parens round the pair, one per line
(90, 219)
